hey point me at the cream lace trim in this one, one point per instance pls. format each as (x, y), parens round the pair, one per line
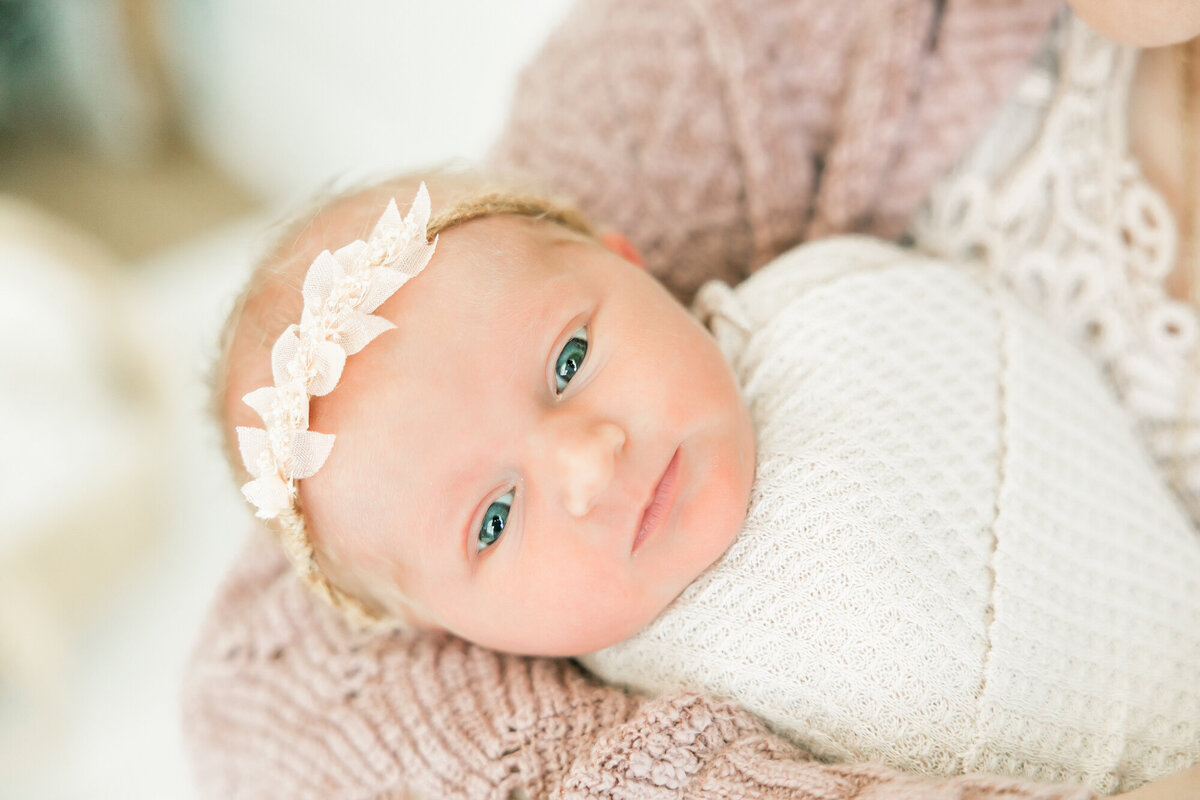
(1053, 200)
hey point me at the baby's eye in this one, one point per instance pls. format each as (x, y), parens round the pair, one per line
(494, 520)
(570, 360)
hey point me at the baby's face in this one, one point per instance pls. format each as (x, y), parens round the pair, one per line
(546, 451)
(1144, 23)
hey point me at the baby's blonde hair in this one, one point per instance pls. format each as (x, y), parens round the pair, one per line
(272, 300)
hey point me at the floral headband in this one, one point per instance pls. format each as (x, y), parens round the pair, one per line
(341, 289)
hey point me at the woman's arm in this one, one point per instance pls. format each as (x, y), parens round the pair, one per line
(716, 134)
(282, 700)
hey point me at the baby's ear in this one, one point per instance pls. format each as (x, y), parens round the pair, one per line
(619, 244)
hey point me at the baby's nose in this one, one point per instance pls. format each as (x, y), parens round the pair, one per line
(586, 462)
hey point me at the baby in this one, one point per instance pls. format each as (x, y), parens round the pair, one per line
(517, 462)
(541, 451)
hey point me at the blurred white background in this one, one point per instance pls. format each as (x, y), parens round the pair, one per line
(145, 147)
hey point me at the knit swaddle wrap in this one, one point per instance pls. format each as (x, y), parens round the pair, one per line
(957, 557)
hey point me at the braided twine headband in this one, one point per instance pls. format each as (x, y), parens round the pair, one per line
(341, 290)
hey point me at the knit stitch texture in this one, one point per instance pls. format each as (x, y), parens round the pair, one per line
(284, 701)
(957, 557)
(717, 134)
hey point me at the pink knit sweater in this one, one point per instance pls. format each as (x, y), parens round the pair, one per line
(284, 702)
(716, 133)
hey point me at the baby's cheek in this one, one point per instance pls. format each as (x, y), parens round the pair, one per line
(593, 607)
(687, 388)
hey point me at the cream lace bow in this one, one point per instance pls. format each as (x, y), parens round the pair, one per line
(341, 289)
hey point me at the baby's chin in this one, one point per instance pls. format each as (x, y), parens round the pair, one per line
(716, 543)
(565, 635)
(566, 642)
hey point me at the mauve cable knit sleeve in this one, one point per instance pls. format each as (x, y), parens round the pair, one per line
(282, 701)
(718, 133)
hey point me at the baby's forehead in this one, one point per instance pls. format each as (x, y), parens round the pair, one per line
(509, 245)
(494, 287)
(495, 266)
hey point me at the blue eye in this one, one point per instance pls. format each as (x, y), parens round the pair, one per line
(494, 520)
(570, 360)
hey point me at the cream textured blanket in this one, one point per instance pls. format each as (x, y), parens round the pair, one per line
(957, 556)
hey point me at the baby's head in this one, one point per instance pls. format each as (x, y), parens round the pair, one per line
(544, 451)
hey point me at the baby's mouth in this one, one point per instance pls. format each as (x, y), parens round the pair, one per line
(661, 502)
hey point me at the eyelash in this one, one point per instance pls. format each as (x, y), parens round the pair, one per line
(561, 375)
(505, 500)
(498, 511)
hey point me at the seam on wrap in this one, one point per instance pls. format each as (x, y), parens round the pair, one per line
(718, 29)
(970, 759)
